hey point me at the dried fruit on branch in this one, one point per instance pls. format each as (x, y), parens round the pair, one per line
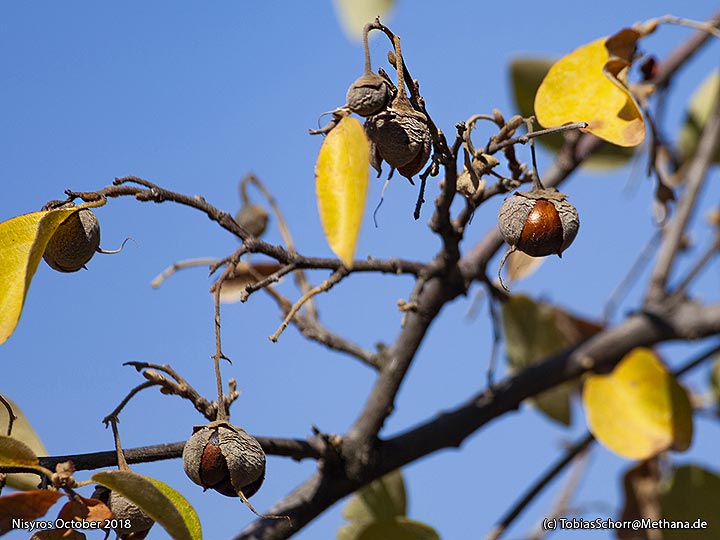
(539, 222)
(225, 458)
(74, 242)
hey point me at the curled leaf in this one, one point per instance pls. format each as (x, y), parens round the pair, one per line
(590, 85)
(341, 184)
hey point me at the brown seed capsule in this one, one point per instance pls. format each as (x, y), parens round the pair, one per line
(368, 95)
(539, 222)
(74, 242)
(225, 458)
(123, 510)
(254, 218)
(400, 136)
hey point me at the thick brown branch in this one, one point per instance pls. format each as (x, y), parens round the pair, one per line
(297, 449)
(450, 429)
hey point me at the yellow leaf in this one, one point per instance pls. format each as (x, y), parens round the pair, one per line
(588, 85)
(355, 14)
(158, 500)
(638, 410)
(22, 243)
(341, 183)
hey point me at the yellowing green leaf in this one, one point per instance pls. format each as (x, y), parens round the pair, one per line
(22, 431)
(533, 331)
(381, 500)
(398, 529)
(638, 410)
(526, 74)
(341, 184)
(158, 500)
(14, 453)
(355, 14)
(693, 493)
(588, 85)
(699, 109)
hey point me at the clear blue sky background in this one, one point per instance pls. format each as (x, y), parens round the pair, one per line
(193, 96)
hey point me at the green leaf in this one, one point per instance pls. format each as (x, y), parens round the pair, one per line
(355, 14)
(399, 529)
(158, 500)
(22, 431)
(639, 409)
(526, 74)
(341, 185)
(699, 109)
(533, 331)
(693, 493)
(381, 500)
(715, 384)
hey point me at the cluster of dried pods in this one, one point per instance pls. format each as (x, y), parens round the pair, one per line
(397, 131)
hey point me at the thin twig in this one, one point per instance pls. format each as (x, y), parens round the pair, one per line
(180, 265)
(539, 485)
(11, 415)
(222, 415)
(116, 411)
(699, 265)
(695, 178)
(326, 285)
(524, 139)
(122, 463)
(633, 274)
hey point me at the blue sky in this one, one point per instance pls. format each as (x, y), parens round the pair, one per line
(193, 96)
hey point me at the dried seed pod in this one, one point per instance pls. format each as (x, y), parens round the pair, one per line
(124, 510)
(74, 242)
(539, 222)
(225, 458)
(254, 218)
(368, 95)
(400, 136)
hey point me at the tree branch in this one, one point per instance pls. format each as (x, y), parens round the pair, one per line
(695, 178)
(297, 449)
(450, 429)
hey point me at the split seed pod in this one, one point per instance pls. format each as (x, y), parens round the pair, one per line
(124, 510)
(368, 95)
(225, 458)
(400, 136)
(539, 222)
(74, 242)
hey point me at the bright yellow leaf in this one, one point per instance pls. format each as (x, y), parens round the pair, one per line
(589, 85)
(341, 184)
(22, 243)
(638, 410)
